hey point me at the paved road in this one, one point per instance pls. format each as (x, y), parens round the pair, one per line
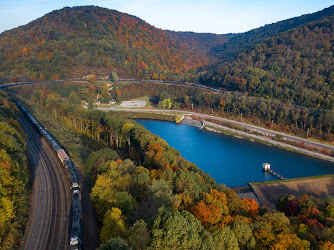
(50, 206)
(241, 124)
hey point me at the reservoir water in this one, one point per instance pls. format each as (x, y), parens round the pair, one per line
(233, 161)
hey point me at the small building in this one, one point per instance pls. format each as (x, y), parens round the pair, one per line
(112, 102)
(266, 166)
(96, 102)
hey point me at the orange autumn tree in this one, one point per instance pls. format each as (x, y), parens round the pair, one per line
(251, 206)
(92, 79)
(154, 155)
(207, 214)
(212, 209)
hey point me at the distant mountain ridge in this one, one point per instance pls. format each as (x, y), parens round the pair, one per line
(91, 40)
(79, 41)
(294, 66)
(243, 41)
(204, 42)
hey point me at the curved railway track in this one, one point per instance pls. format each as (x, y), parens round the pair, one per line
(50, 206)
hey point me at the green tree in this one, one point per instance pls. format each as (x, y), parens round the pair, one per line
(167, 103)
(115, 243)
(179, 230)
(113, 224)
(113, 76)
(124, 201)
(329, 210)
(7, 213)
(139, 235)
(115, 126)
(163, 95)
(225, 239)
(90, 104)
(74, 99)
(127, 128)
(244, 234)
(161, 105)
(96, 157)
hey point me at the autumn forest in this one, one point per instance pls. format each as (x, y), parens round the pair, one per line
(145, 194)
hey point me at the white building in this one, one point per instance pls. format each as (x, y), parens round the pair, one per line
(266, 166)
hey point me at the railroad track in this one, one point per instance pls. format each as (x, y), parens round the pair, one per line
(48, 226)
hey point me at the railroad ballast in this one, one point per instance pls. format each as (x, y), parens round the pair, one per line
(77, 215)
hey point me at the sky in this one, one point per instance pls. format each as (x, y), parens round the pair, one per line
(214, 16)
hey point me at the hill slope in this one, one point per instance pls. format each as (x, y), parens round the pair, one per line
(202, 42)
(73, 42)
(247, 40)
(295, 66)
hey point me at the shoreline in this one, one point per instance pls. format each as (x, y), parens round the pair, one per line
(221, 129)
(216, 128)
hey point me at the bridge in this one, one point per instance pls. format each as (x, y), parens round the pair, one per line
(276, 174)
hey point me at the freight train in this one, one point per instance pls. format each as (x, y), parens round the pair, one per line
(76, 211)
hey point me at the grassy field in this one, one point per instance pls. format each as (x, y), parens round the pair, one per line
(314, 177)
(122, 83)
(146, 115)
(318, 186)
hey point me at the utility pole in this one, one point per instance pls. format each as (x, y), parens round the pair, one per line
(307, 132)
(272, 123)
(241, 117)
(192, 106)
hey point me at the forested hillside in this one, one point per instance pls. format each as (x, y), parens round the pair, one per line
(243, 41)
(148, 197)
(296, 66)
(202, 42)
(74, 42)
(13, 176)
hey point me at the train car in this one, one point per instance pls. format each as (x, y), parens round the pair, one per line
(76, 201)
(75, 239)
(68, 165)
(74, 179)
(55, 145)
(62, 155)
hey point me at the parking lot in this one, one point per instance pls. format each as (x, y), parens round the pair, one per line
(133, 104)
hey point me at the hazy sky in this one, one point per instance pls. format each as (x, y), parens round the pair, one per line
(215, 16)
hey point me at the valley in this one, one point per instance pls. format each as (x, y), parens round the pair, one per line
(110, 89)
